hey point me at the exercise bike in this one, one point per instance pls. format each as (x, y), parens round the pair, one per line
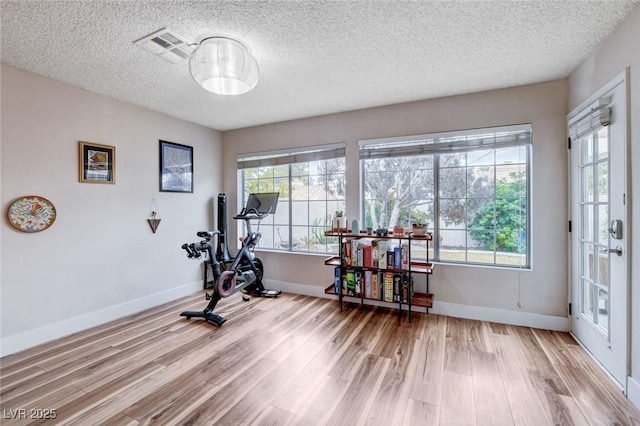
(242, 273)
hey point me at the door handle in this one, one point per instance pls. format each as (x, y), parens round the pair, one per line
(617, 250)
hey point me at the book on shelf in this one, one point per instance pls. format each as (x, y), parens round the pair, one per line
(367, 262)
(388, 286)
(367, 283)
(337, 279)
(374, 284)
(397, 286)
(407, 288)
(358, 256)
(382, 254)
(404, 255)
(375, 257)
(397, 258)
(346, 253)
(390, 259)
(351, 282)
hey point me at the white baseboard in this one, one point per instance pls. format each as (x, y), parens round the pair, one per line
(527, 319)
(18, 342)
(633, 391)
(503, 316)
(287, 287)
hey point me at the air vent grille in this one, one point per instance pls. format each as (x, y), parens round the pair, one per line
(167, 45)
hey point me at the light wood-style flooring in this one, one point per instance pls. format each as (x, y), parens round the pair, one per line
(298, 360)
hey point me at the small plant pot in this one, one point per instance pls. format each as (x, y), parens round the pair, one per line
(339, 223)
(419, 230)
(398, 230)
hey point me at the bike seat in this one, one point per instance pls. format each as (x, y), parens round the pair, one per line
(207, 234)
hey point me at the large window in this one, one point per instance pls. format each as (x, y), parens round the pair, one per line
(311, 183)
(472, 187)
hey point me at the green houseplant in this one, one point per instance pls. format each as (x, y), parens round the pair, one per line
(419, 228)
(339, 221)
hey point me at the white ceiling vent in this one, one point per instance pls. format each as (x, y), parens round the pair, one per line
(167, 45)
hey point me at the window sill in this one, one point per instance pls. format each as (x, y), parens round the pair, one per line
(303, 253)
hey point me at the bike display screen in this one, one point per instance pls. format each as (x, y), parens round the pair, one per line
(263, 203)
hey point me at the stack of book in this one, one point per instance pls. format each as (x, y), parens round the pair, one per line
(387, 286)
(376, 253)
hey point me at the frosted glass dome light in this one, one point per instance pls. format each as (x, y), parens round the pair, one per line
(224, 66)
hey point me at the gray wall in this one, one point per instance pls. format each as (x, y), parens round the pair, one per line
(543, 290)
(99, 260)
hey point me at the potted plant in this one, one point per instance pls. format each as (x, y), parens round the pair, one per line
(398, 230)
(339, 221)
(419, 228)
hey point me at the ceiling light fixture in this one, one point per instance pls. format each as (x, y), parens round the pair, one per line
(224, 66)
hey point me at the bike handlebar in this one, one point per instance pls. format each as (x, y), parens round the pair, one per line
(251, 214)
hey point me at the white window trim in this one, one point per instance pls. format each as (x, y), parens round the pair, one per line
(524, 127)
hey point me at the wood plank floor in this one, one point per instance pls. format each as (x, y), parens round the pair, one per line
(298, 360)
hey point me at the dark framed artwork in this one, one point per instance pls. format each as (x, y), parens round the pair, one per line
(176, 167)
(97, 163)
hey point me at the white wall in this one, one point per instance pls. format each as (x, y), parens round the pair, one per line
(618, 52)
(474, 291)
(100, 259)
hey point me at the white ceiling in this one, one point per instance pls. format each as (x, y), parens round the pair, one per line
(315, 57)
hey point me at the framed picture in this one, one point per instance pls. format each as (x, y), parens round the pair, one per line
(97, 163)
(176, 167)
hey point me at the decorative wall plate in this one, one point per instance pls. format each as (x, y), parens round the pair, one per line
(31, 213)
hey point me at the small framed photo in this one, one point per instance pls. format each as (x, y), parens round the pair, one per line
(176, 167)
(97, 163)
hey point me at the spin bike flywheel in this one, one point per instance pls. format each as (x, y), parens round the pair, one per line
(226, 283)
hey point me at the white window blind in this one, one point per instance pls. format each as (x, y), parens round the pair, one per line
(442, 143)
(276, 158)
(598, 116)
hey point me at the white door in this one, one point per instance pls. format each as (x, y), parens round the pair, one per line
(599, 274)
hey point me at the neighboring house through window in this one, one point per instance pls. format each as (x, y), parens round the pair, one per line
(311, 183)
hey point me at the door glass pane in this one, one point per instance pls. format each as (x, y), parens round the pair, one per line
(587, 145)
(587, 261)
(603, 309)
(603, 224)
(586, 299)
(603, 266)
(602, 143)
(588, 184)
(587, 222)
(603, 182)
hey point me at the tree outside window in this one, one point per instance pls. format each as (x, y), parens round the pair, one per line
(475, 200)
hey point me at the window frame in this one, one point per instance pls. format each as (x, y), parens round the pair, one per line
(291, 158)
(420, 145)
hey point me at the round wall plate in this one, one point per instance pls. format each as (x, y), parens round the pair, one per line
(31, 213)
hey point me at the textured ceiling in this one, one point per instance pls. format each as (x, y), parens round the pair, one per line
(315, 57)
